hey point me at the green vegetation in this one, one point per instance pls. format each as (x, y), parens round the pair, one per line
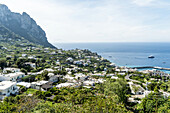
(108, 97)
(154, 102)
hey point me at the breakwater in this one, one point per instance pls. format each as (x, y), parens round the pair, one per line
(143, 67)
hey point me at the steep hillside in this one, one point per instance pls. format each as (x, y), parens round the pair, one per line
(23, 25)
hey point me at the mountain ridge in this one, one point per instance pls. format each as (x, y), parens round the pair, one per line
(23, 25)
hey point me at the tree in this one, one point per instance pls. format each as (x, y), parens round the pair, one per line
(152, 103)
(152, 86)
(24, 71)
(116, 88)
(3, 64)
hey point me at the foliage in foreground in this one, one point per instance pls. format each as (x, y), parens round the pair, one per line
(76, 100)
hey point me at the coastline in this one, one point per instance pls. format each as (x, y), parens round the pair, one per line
(140, 68)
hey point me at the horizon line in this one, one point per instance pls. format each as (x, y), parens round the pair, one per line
(108, 42)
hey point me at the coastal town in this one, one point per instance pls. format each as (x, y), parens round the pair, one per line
(38, 77)
(31, 67)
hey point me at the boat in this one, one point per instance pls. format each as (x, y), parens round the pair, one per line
(151, 56)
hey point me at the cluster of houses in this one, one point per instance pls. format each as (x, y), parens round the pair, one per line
(80, 80)
(11, 77)
(155, 72)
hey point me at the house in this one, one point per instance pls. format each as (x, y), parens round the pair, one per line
(31, 57)
(64, 85)
(100, 81)
(70, 59)
(11, 70)
(57, 62)
(121, 70)
(15, 77)
(25, 84)
(7, 88)
(78, 62)
(80, 76)
(33, 65)
(49, 70)
(110, 75)
(154, 72)
(4, 48)
(85, 70)
(113, 65)
(69, 78)
(85, 64)
(53, 53)
(68, 69)
(121, 74)
(98, 74)
(37, 85)
(113, 77)
(88, 83)
(3, 78)
(53, 77)
(24, 55)
(47, 86)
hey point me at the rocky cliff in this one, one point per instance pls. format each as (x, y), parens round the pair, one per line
(23, 25)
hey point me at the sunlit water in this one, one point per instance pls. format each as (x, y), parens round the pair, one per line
(127, 54)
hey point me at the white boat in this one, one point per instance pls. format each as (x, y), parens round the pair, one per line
(151, 56)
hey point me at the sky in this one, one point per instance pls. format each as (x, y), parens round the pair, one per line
(67, 21)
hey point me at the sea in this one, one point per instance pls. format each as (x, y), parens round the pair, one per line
(128, 54)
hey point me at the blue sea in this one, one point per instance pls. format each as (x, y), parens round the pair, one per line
(127, 54)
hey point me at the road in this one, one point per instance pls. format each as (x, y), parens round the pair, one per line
(127, 77)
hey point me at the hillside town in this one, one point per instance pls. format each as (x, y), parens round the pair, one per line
(45, 68)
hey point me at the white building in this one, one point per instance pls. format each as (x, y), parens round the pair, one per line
(98, 74)
(64, 85)
(88, 83)
(53, 77)
(49, 70)
(37, 85)
(24, 55)
(155, 72)
(78, 62)
(70, 59)
(122, 70)
(53, 53)
(7, 88)
(113, 77)
(12, 76)
(80, 76)
(31, 57)
(11, 70)
(25, 84)
(70, 78)
(33, 65)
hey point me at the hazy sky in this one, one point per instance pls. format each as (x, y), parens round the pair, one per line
(99, 20)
